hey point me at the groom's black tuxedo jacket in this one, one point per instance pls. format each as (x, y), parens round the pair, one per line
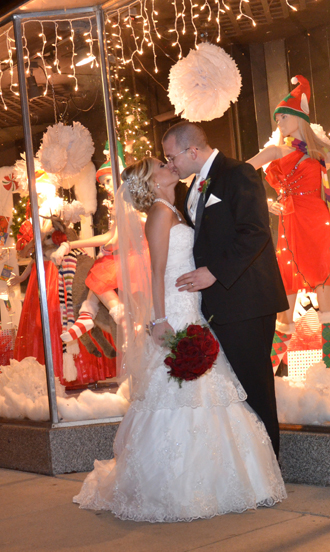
(233, 240)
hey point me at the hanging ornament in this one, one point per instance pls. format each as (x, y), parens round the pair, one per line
(203, 84)
(320, 133)
(66, 150)
(20, 175)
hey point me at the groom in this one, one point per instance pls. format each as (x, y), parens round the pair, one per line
(236, 267)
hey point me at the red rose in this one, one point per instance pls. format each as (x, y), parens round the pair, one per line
(198, 341)
(183, 344)
(195, 330)
(169, 361)
(210, 346)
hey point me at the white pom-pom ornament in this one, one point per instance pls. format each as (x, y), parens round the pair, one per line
(66, 150)
(20, 174)
(203, 84)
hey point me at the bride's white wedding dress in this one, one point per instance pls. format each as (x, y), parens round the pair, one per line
(186, 453)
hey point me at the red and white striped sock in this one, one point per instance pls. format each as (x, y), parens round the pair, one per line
(83, 324)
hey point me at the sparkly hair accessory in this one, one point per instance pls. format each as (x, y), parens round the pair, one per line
(134, 184)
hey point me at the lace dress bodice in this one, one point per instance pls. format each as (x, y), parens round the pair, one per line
(180, 307)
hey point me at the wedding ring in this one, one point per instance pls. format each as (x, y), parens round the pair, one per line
(192, 285)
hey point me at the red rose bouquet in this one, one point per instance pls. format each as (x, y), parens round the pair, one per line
(193, 352)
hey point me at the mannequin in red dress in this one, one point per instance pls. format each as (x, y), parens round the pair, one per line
(297, 172)
(29, 342)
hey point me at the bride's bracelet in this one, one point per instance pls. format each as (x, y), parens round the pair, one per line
(153, 323)
(158, 321)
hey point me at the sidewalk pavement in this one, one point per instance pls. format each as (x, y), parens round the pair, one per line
(37, 515)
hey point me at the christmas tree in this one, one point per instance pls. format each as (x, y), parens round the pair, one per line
(19, 215)
(132, 122)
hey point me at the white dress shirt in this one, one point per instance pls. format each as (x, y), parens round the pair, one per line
(194, 193)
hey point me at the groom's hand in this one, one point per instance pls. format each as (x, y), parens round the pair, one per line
(200, 278)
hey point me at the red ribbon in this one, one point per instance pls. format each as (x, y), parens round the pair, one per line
(25, 235)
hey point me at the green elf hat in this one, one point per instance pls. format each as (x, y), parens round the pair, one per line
(296, 103)
(119, 149)
(104, 169)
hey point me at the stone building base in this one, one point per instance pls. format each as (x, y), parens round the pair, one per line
(41, 448)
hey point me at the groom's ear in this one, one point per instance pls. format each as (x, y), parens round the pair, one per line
(193, 152)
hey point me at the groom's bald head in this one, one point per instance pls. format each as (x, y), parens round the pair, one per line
(187, 134)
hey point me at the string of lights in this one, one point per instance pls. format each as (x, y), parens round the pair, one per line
(207, 4)
(137, 48)
(150, 42)
(1, 95)
(243, 14)
(177, 42)
(193, 17)
(42, 55)
(143, 30)
(47, 40)
(4, 62)
(218, 19)
(183, 15)
(10, 49)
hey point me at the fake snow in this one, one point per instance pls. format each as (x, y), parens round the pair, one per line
(306, 401)
(23, 394)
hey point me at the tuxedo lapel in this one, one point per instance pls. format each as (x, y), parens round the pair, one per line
(186, 211)
(199, 213)
(213, 174)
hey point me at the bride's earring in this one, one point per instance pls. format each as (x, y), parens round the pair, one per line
(158, 186)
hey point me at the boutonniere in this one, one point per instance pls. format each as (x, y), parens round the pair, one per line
(203, 185)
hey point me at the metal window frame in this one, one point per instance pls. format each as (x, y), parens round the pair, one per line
(110, 124)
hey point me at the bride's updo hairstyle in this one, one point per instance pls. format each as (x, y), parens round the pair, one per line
(137, 177)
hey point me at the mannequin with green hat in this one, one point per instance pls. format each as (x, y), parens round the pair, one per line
(102, 278)
(297, 171)
(104, 173)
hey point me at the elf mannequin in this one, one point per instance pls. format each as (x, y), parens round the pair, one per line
(297, 172)
(101, 279)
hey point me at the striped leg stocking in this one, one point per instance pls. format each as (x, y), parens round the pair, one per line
(84, 322)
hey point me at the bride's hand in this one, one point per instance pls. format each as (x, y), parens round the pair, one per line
(159, 330)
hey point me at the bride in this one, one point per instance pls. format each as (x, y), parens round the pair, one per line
(180, 453)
